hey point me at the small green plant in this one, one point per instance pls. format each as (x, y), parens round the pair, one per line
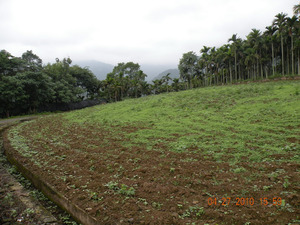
(112, 185)
(286, 183)
(157, 205)
(273, 175)
(144, 201)
(193, 211)
(28, 212)
(127, 191)
(67, 219)
(13, 213)
(239, 170)
(92, 168)
(8, 198)
(172, 170)
(94, 196)
(38, 195)
(267, 188)
(180, 206)
(124, 189)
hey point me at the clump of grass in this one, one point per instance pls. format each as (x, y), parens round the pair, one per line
(210, 119)
(122, 189)
(193, 211)
(239, 170)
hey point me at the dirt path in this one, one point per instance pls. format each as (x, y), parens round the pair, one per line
(20, 205)
(7, 122)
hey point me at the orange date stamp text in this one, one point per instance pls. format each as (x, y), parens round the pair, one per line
(241, 201)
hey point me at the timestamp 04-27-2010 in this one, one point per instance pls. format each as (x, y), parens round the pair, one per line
(241, 201)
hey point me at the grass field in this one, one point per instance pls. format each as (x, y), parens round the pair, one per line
(216, 155)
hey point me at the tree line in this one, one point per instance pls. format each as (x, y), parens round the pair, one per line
(26, 84)
(275, 51)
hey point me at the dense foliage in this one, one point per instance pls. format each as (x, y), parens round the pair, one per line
(160, 158)
(274, 51)
(126, 80)
(25, 84)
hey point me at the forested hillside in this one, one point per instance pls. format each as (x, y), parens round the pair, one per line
(173, 73)
(26, 84)
(213, 155)
(276, 50)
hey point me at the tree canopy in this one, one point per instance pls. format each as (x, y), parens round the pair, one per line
(26, 84)
(262, 54)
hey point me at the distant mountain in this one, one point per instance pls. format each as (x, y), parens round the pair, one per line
(101, 69)
(153, 70)
(98, 68)
(174, 73)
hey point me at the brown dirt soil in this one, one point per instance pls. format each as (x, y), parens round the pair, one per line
(91, 168)
(17, 205)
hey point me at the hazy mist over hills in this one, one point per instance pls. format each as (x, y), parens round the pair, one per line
(153, 71)
(101, 69)
(174, 73)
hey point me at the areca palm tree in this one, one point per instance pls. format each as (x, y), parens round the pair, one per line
(254, 39)
(280, 22)
(187, 67)
(250, 62)
(175, 84)
(166, 80)
(222, 57)
(291, 22)
(205, 61)
(234, 45)
(270, 33)
(156, 86)
(296, 9)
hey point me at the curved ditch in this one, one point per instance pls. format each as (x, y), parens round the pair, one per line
(23, 203)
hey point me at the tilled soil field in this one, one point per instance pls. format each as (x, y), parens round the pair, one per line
(20, 202)
(134, 185)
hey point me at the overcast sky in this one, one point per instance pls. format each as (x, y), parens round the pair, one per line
(142, 31)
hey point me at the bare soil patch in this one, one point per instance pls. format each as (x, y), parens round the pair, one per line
(20, 202)
(133, 185)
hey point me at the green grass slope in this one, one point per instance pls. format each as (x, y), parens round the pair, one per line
(254, 120)
(215, 155)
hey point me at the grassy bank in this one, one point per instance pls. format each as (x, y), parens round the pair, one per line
(180, 158)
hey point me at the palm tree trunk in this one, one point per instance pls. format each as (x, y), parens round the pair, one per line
(239, 73)
(287, 60)
(261, 71)
(292, 49)
(282, 55)
(298, 62)
(235, 65)
(257, 68)
(230, 72)
(273, 63)
(122, 92)
(223, 78)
